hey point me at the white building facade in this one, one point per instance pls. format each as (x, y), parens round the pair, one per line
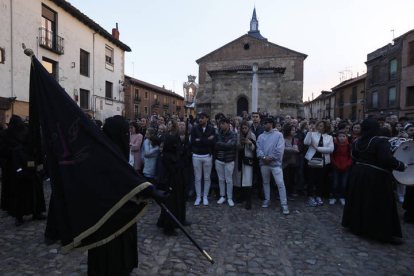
(321, 107)
(86, 60)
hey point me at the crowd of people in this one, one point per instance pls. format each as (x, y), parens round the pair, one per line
(233, 158)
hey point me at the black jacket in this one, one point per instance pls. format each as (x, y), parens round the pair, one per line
(259, 130)
(225, 150)
(205, 145)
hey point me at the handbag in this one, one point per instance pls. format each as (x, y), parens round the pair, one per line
(316, 163)
(131, 158)
(249, 161)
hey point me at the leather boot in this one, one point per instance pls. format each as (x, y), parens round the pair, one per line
(248, 195)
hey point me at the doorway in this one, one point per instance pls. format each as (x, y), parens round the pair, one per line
(242, 105)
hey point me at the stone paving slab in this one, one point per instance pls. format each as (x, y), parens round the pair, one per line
(261, 241)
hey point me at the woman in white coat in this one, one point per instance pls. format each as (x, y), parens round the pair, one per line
(320, 146)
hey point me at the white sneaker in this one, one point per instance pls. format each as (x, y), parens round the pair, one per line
(265, 203)
(401, 199)
(230, 202)
(342, 201)
(197, 201)
(332, 201)
(205, 201)
(221, 200)
(285, 209)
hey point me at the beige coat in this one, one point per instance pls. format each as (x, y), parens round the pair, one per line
(246, 169)
(135, 142)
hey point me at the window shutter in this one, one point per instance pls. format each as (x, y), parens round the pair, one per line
(46, 13)
(108, 52)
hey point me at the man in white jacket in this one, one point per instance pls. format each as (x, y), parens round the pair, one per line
(270, 148)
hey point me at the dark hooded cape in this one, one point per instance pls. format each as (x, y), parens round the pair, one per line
(91, 180)
(370, 208)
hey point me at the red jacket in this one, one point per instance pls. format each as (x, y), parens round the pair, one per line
(341, 158)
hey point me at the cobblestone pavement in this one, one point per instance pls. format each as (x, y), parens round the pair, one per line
(260, 241)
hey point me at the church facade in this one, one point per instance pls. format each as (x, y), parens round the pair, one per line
(226, 77)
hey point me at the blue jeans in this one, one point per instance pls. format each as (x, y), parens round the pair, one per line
(339, 184)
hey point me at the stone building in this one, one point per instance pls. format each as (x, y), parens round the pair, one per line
(349, 96)
(390, 78)
(143, 99)
(86, 60)
(226, 76)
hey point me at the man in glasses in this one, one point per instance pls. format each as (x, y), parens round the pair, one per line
(270, 148)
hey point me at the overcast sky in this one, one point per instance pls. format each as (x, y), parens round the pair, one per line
(166, 37)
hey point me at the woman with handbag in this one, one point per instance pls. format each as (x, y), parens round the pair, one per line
(318, 156)
(290, 161)
(246, 160)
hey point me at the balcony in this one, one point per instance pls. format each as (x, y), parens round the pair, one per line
(353, 99)
(156, 103)
(328, 106)
(166, 106)
(178, 108)
(51, 41)
(137, 100)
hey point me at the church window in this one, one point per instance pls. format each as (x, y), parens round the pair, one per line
(246, 46)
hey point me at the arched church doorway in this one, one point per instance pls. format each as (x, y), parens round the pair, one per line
(242, 105)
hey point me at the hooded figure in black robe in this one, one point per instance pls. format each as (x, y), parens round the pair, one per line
(23, 190)
(370, 208)
(173, 166)
(119, 256)
(97, 195)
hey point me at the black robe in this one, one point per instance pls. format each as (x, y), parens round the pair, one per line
(370, 208)
(409, 204)
(22, 192)
(120, 255)
(173, 166)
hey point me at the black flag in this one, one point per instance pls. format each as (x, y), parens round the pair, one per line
(97, 194)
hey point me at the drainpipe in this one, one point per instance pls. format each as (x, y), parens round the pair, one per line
(93, 74)
(11, 51)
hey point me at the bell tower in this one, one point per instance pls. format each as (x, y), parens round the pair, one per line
(254, 23)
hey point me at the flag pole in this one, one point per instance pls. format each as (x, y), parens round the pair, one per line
(186, 233)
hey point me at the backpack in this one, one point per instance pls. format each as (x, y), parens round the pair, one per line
(348, 148)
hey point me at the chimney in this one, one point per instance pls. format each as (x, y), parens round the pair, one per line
(115, 32)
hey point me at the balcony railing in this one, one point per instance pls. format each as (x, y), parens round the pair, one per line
(166, 105)
(156, 103)
(137, 99)
(353, 99)
(51, 41)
